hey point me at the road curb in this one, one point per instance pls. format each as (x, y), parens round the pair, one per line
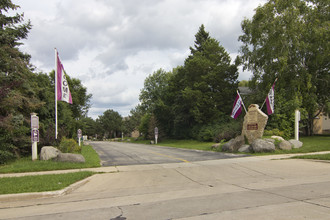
(39, 195)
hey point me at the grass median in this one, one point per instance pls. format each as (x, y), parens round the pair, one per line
(27, 165)
(40, 183)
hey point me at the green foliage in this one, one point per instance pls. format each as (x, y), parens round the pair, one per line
(144, 126)
(289, 40)
(111, 123)
(69, 146)
(17, 95)
(194, 94)
(275, 132)
(244, 83)
(220, 130)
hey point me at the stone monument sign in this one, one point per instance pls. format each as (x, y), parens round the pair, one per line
(254, 123)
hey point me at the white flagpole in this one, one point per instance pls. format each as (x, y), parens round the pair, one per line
(55, 94)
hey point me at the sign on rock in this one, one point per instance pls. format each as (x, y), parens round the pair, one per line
(254, 123)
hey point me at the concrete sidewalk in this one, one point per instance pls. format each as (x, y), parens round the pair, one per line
(25, 196)
(262, 187)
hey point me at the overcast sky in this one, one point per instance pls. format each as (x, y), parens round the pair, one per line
(113, 45)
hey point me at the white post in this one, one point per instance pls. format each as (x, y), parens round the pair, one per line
(34, 135)
(296, 124)
(55, 94)
(34, 150)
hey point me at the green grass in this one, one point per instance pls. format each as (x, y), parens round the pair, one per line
(40, 183)
(27, 165)
(310, 144)
(314, 157)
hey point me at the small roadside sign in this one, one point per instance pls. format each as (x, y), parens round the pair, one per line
(34, 121)
(79, 132)
(35, 135)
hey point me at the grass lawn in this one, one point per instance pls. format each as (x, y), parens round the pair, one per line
(314, 157)
(40, 183)
(27, 165)
(310, 144)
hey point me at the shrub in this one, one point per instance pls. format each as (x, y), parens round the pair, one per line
(220, 130)
(69, 146)
(272, 132)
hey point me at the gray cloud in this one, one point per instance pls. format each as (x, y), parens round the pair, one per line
(112, 46)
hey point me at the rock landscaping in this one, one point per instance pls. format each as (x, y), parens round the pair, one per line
(259, 145)
(52, 153)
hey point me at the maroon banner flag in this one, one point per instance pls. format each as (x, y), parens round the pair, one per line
(63, 91)
(237, 108)
(270, 100)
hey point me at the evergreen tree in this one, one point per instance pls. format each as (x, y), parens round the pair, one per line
(17, 96)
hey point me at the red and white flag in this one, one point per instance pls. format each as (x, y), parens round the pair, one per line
(63, 91)
(237, 108)
(270, 100)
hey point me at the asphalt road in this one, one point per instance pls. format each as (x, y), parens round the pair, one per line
(249, 188)
(121, 154)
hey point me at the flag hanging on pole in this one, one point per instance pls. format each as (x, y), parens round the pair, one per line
(63, 91)
(237, 108)
(270, 100)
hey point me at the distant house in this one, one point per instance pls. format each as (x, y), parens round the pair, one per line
(321, 125)
(243, 91)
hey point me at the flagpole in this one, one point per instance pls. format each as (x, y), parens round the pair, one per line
(55, 94)
(242, 101)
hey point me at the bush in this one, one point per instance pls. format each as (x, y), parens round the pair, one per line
(220, 130)
(228, 131)
(272, 132)
(69, 146)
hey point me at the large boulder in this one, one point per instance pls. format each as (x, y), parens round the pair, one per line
(285, 145)
(254, 123)
(215, 146)
(295, 143)
(245, 149)
(259, 146)
(279, 138)
(234, 144)
(68, 157)
(49, 152)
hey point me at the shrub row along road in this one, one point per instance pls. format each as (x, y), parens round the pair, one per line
(120, 154)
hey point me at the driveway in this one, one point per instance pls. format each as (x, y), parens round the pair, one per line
(119, 154)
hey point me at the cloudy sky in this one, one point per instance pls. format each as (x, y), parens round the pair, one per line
(113, 45)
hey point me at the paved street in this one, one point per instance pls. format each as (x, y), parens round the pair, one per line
(236, 188)
(118, 154)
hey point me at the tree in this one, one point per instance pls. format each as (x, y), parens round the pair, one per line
(197, 93)
(289, 40)
(204, 87)
(17, 96)
(111, 122)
